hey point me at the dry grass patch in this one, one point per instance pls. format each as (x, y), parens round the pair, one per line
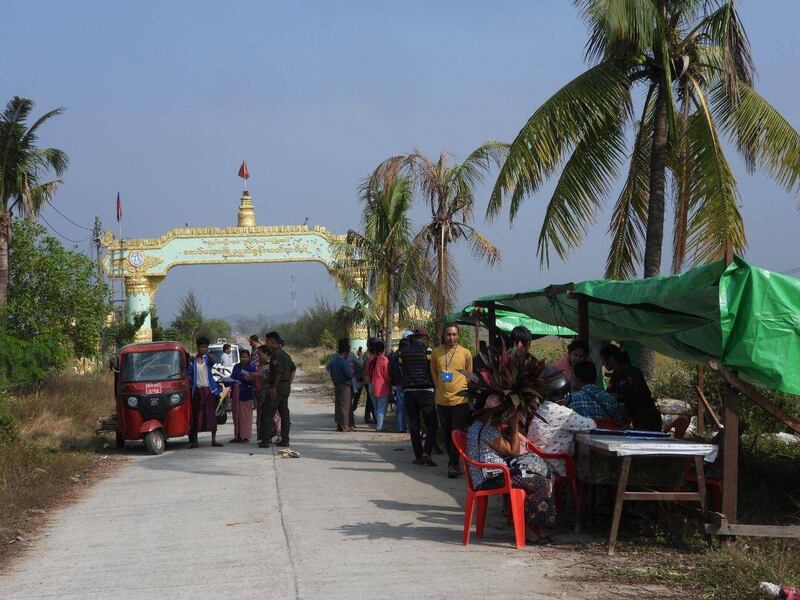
(56, 449)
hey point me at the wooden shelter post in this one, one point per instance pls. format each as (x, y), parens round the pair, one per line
(730, 419)
(492, 323)
(583, 319)
(730, 477)
(701, 413)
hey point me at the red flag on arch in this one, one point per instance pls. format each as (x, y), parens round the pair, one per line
(244, 173)
(119, 209)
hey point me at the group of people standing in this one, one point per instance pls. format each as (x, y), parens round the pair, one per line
(429, 388)
(425, 383)
(262, 377)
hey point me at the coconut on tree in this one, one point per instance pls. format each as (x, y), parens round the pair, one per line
(684, 67)
(449, 191)
(26, 184)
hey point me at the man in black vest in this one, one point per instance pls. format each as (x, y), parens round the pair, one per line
(415, 371)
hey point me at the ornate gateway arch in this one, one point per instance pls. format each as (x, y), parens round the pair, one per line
(144, 263)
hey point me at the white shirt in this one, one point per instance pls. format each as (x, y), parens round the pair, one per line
(558, 433)
(200, 374)
(227, 360)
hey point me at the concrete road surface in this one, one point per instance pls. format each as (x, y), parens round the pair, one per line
(352, 518)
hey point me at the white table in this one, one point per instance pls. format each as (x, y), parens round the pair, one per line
(626, 448)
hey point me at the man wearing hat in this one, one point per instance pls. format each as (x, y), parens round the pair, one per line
(415, 376)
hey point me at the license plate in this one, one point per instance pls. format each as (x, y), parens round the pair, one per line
(152, 388)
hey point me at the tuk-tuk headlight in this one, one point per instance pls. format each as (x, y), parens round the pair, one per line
(132, 401)
(175, 399)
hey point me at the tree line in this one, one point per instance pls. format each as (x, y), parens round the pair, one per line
(692, 62)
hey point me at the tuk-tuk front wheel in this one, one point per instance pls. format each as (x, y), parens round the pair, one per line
(155, 442)
(120, 440)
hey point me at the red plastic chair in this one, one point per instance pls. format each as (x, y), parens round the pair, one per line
(516, 495)
(569, 469)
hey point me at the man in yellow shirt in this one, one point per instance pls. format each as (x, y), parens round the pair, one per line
(454, 413)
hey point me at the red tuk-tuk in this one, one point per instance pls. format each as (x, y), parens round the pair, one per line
(152, 391)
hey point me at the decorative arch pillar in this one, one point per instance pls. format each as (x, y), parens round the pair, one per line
(137, 300)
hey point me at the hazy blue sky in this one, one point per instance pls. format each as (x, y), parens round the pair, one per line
(165, 99)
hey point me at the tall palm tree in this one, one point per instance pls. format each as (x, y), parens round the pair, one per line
(24, 168)
(449, 190)
(384, 262)
(692, 61)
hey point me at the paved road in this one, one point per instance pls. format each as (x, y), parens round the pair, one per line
(352, 518)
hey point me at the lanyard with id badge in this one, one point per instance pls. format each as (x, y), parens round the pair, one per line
(447, 375)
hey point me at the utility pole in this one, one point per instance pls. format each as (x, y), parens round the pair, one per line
(294, 297)
(96, 234)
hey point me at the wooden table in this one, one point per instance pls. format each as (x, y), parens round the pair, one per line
(626, 448)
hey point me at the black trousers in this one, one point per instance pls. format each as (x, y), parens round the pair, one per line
(280, 403)
(354, 405)
(421, 407)
(369, 408)
(453, 418)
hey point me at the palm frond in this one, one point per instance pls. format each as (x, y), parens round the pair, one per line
(629, 219)
(464, 177)
(678, 162)
(30, 134)
(481, 247)
(616, 24)
(715, 219)
(754, 124)
(584, 106)
(724, 29)
(585, 180)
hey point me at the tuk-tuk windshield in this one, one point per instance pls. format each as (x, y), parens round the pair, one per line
(161, 365)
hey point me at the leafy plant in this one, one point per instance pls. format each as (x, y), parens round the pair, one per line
(327, 339)
(24, 364)
(8, 425)
(310, 328)
(121, 333)
(190, 323)
(54, 291)
(24, 168)
(513, 378)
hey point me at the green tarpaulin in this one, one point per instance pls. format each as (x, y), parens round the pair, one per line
(506, 320)
(745, 317)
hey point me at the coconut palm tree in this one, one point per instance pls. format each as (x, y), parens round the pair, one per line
(692, 61)
(384, 263)
(24, 168)
(449, 191)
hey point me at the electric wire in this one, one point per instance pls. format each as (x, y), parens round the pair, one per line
(59, 234)
(67, 218)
